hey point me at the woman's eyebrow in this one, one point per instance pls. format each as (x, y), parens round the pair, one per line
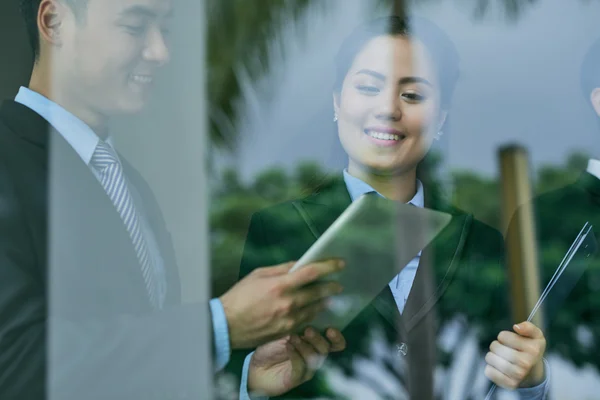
(371, 73)
(403, 81)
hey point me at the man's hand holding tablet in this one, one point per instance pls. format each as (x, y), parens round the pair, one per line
(272, 302)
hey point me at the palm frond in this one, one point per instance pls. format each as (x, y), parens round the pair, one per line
(239, 34)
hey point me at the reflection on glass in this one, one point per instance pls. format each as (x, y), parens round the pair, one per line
(391, 99)
(514, 86)
(90, 238)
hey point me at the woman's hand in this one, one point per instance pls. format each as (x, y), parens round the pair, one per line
(280, 366)
(514, 355)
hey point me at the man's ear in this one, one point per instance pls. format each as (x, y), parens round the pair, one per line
(49, 20)
(595, 98)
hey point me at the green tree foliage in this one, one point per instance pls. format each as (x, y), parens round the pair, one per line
(478, 195)
(234, 202)
(241, 34)
(554, 177)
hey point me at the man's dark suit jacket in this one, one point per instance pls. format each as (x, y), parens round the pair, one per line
(75, 319)
(559, 216)
(460, 273)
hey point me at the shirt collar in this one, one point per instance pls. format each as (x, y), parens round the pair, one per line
(357, 188)
(76, 132)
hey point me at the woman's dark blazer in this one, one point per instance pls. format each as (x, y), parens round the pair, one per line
(460, 277)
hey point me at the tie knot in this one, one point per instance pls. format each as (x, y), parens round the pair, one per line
(103, 156)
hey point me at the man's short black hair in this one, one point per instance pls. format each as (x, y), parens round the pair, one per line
(590, 70)
(29, 11)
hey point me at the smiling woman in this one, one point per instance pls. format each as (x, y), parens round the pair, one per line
(391, 98)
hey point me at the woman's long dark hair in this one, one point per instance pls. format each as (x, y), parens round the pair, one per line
(445, 60)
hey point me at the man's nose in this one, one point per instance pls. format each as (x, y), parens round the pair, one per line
(156, 49)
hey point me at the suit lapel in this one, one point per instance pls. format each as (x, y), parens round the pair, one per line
(322, 208)
(89, 249)
(25, 122)
(386, 306)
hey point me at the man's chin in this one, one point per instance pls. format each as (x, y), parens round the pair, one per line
(132, 106)
(136, 97)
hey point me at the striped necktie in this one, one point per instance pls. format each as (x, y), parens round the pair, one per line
(108, 166)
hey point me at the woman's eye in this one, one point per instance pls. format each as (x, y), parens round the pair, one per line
(413, 97)
(368, 89)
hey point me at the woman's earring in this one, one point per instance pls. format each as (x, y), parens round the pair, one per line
(439, 135)
(335, 117)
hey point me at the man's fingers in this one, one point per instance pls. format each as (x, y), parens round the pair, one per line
(314, 293)
(303, 348)
(308, 313)
(311, 356)
(317, 341)
(276, 270)
(313, 272)
(298, 363)
(527, 329)
(337, 340)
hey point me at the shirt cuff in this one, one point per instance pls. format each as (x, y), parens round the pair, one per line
(539, 392)
(220, 334)
(244, 395)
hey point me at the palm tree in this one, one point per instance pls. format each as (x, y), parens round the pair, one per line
(240, 33)
(512, 8)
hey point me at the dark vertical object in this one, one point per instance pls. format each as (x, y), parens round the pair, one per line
(421, 356)
(15, 52)
(521, 243)
(399, 8)
(421, 339)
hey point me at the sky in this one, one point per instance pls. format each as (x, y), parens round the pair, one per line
(519, 84)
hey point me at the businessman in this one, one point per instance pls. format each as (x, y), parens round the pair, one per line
(89, 291)
(559, 216)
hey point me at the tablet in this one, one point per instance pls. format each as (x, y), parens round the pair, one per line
(376, 238)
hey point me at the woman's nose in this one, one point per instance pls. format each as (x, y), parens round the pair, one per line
(390, 106)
